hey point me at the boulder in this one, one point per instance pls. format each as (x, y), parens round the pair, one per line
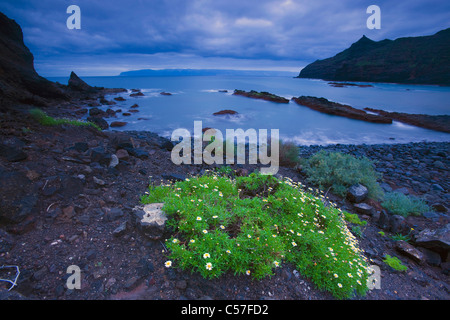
(75, 83)
(101, 156)
(12, 154)
(151, 220)
(398, 224)
(410, 251)
(364, 208)
(357, 193)
(99, 122)
(436, 240)
(96, 112)
(117, 124)
(18, 197)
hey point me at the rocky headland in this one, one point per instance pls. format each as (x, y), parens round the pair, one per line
(413, 60)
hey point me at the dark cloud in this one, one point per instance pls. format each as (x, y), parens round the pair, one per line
(175, 32)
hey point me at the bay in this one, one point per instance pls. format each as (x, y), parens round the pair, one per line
(196, 98)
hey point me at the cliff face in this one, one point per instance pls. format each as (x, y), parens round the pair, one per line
(19, 81)
(414, 60)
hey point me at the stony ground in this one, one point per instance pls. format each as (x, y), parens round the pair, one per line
(66, 206)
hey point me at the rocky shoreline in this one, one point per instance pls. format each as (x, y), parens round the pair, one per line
(68, 196)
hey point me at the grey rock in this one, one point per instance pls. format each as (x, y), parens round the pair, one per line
(410, 251)
(98, 181)
(357, 193)
(431, 257)
(99, 122)
(6, 241)
(398, 224)
(120, 230)
(439, 164)
(18, 197)
(364, 208)
(436, 240)
(113, 214)
(437, 187)
(114, 161)
(150, 220)
(403, 190)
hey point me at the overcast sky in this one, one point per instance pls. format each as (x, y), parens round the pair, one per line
(118, 35)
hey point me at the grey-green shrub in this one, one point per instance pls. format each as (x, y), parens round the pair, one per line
(398, 203)
(339, 171)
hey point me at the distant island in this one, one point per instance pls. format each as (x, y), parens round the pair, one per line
(204, 72)
(411, 60)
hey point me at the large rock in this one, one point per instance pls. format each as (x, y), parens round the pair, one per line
(19, 81)
(436, 240)
(357, 193)
(75, 83)
(17, 197)
(410, 251)
(151, 220)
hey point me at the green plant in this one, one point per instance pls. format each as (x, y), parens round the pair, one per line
(357, 231)
(339, 171)
(289, 155)
(398, 203)
(394, 263)
(381, 233)
(252, 225)
(354, 218)
(46, 120)
(400, 237)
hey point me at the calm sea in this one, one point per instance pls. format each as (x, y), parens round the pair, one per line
(197, 98)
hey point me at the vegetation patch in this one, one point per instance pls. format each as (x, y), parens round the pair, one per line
(46, 120)
(394, 263)
(398, 203)
(252, 225)
(339, 171)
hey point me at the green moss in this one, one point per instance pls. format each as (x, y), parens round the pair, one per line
(46, 120)
(354, 218)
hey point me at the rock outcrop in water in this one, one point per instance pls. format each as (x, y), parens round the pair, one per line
(433, 122)
(414, 60)
(261, 95)
(337, 109)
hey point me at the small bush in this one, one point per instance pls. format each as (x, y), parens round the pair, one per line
(394, 263)
(46, 120)
(289, 155)
(252, 225)
(398, 203)
(339, 171)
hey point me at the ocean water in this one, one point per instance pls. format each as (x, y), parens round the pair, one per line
(196, 98)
